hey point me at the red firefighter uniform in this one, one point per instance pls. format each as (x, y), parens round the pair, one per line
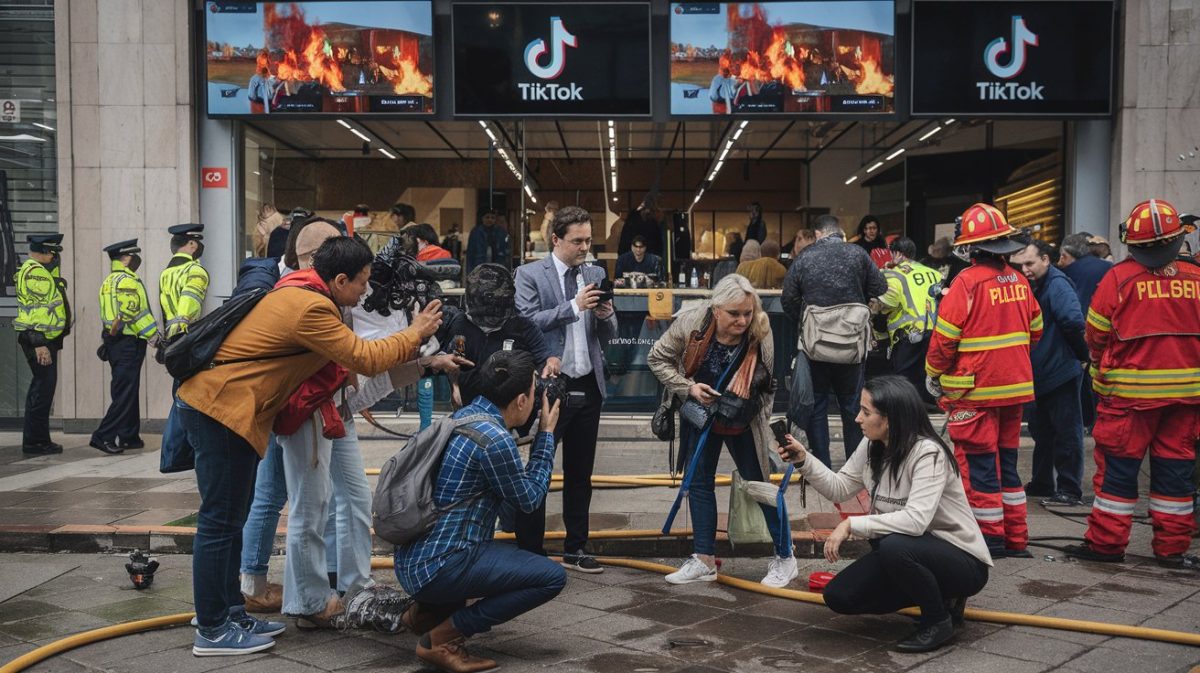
(1143, 330)
(979, 352)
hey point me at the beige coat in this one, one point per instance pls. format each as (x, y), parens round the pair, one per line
(666, 361)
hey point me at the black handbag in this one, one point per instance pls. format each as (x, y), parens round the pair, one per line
(695, 413)
(663, 422)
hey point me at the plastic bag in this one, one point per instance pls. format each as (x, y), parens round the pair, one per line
(747, 524)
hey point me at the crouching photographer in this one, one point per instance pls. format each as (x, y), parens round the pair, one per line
(458, 559)
(926, 549)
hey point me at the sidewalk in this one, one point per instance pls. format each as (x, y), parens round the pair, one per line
(622, 620)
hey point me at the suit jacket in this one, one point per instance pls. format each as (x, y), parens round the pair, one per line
(540, 298)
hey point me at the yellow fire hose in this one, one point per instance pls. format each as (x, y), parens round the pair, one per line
(995, 617)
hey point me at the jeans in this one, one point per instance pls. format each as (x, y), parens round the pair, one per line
(702, 498)
(901, 571)
(577, 429)
(508, 581)
(225, 478)
(314, 467)
(1056, 425)
(845, 382)
(908, 360)
(270, 495)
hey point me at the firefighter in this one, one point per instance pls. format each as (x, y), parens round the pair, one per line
(978, 365)
(1143, 332)
(909, 311)
(128, 325)
(43, 321)
(183, 284)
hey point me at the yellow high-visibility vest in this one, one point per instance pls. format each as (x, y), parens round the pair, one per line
(41, 307)
(908, 306)
(122, 295)
(181, 290)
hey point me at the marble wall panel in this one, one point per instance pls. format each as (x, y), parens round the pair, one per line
(120, 74)
(122, 136)
(120, 21)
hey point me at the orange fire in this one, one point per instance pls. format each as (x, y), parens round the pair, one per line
(307, 53)
(403, 71)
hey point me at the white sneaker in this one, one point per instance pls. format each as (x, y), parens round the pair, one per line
(695, 570)
(780, 572)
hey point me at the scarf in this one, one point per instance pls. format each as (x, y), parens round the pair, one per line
(697, 346)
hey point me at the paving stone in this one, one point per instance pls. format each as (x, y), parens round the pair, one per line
(549, 647)
(618, 661)
(675, 612)
(68, 484)
(61, 624)
(20, 610)
(1080, 611)
(616, 628)
(605, 598)
(132, 645)
(347, 653)
(1008, 642)
(555, 615)
(1110, 660)
(1059, 634)
(143, 607)
(963, 659)
(824, 643)
(763, 658)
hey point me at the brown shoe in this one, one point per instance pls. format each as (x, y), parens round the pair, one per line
(270, 602)
(325, 619)
(452, 656)
(420, 620)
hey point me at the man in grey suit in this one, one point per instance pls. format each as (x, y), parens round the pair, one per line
(561, 295)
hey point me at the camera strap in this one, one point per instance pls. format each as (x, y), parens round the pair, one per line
(699, 448)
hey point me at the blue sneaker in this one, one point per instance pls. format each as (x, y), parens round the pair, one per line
(259, 627)
(229, 639)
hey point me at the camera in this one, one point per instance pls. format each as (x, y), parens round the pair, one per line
(555, 390)
(400, 282)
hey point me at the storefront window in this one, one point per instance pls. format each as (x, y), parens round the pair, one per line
(28, 166)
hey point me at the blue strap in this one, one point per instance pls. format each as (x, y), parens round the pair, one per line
(781, 504)
(691, 470)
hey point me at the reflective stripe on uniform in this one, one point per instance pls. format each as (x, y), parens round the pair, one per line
(988, 343)
(1113, 506)
(948, 329)
(1183, 506)
(1000, 392)
(988, 514)
(1098, 321)
(1146, 391)
(1037, 323)
(1152, 375)
(1014, 497)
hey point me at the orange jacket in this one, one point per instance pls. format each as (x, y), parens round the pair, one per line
(985, 327)
(1154, 359)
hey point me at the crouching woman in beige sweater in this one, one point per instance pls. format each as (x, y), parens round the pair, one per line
(926, 549)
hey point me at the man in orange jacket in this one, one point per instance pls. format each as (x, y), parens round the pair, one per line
(1143, 331)
(978, 367)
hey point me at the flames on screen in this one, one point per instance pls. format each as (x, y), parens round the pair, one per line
(310, 53)
(771, 55)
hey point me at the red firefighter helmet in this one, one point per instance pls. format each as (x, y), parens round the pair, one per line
(1154, 233)
(984, 227)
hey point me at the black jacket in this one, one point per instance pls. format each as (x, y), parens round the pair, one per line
(831, 272)
(478, 346)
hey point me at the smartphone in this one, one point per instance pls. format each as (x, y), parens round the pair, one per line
(781, 430)
(606, 290)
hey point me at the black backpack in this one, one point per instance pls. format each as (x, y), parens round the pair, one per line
(196, 350)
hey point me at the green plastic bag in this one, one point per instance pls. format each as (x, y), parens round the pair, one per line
(747, 525)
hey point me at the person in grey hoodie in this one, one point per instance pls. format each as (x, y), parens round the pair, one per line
(926, 548)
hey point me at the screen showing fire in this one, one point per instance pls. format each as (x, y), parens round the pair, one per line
(296, 58)
(800, 57)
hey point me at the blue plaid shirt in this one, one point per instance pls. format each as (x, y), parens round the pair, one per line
(494, 474)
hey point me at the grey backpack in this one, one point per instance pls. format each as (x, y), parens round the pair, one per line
(840, 334)
(403, 507)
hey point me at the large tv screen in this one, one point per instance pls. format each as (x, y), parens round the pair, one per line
(312, 58)
(557, 59)
(1044, 58)
(797, 57)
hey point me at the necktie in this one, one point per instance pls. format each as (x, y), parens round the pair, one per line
(571, 282)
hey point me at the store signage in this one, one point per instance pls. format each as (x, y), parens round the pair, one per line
(532, 59)
(301, 59)
(214, 177)
(995, 58)
(10, 111)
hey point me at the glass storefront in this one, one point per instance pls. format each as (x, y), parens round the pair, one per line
(28, 166)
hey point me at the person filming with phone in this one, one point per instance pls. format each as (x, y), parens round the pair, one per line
(926, 549)
(718, 358)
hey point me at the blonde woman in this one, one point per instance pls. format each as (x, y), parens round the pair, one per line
(729, 334)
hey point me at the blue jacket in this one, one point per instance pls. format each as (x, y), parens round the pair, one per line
(1057, 355)
(482, 240)
(1086, 273)
(257, 272)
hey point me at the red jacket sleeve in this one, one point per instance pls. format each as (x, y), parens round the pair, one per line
(1099, 317)
(1035, 320)
(947, 331)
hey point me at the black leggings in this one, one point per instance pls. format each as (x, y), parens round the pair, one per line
(902, 571)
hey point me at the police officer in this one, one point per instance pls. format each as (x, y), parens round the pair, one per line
(978, 366)
(43, 321)
(1143, 332)
(128, 325)
(184, 283)
(909, 311)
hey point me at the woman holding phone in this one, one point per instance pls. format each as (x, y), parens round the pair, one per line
(926, 549)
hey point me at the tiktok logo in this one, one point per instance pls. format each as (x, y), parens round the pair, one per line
(1021, 37)
(560, 39)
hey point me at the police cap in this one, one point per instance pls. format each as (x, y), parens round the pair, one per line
(45, 242)
(191, 230)
(118, 250)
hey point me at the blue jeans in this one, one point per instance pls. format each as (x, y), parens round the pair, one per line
(1056, 425)
(270, 495)
(508, 580)
(225, 478)
(844, 382)
(702, 498)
